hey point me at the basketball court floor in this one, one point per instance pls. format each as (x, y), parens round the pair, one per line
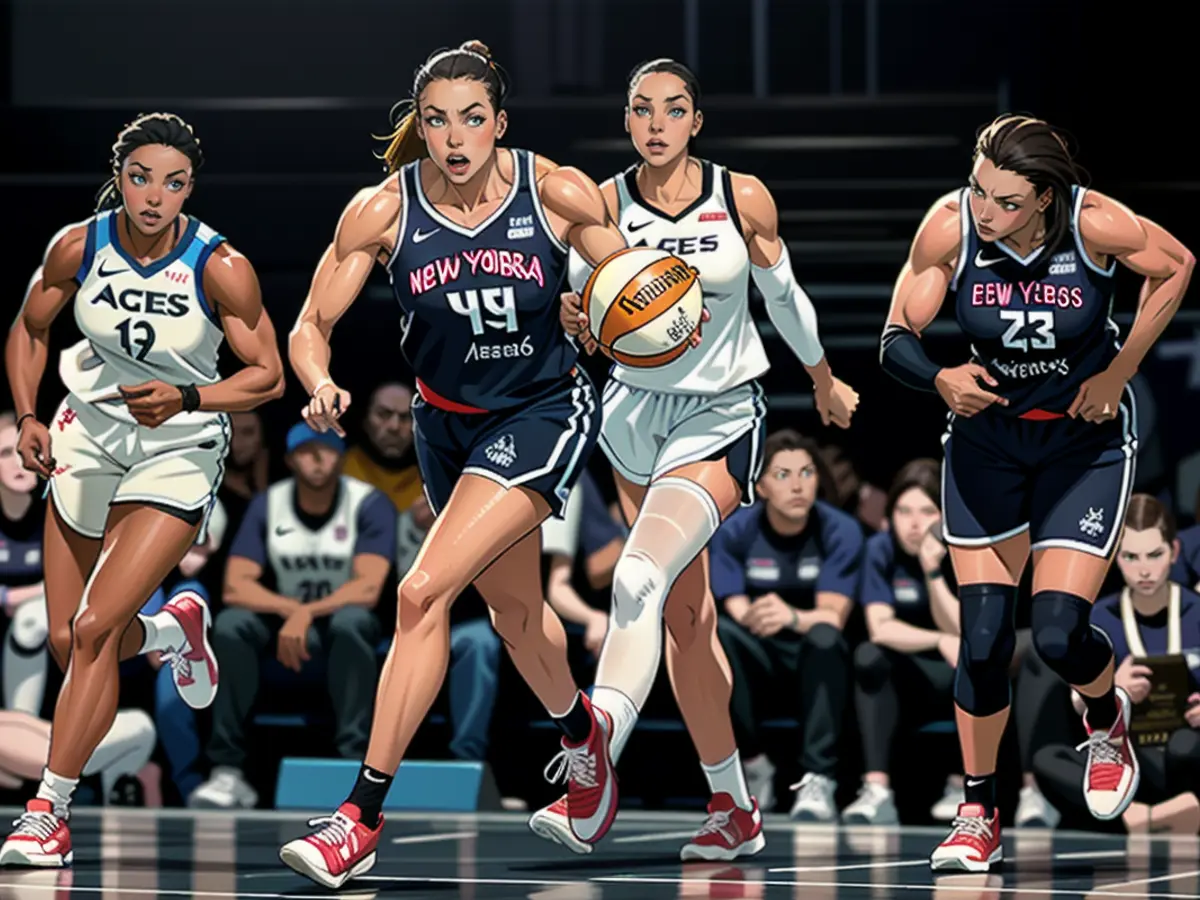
(138, 854)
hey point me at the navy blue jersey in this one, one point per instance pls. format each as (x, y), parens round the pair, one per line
(750, 558)
(892, 576)
(1153, 630)
(1186, 569)
(21, 546)
(1039, 324)
(481, 304)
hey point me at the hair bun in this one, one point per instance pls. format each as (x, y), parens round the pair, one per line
(477, 47)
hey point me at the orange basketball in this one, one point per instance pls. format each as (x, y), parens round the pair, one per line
(643, 304)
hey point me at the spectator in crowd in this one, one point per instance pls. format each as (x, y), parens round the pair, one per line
(907, 667)
(1186, 568)
(248, 465)
(386, 458)
(852, 493)
(22, 595)
(304, 576)
(1152, 616)
(785, 571)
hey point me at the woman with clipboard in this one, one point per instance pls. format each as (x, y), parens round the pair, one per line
(1153, 624)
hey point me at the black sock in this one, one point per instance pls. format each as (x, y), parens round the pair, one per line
(1102, 710)
(981, 789)
(370, 790)
(575, 723)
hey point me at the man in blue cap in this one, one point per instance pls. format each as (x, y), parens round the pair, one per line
(305, 573)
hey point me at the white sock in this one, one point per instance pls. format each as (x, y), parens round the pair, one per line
(163, 632)
(676, 521)
(727, 777)
(624, 715)
(126, 748)
(26, 659)
(58, 791)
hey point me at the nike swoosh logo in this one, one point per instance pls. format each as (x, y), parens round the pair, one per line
(984, 263)
(367, 775)
(420, 235)
(640, 225)
(104, 274)
(281, 531)
(971, 783)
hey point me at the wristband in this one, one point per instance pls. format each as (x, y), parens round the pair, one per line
(902, 356)
(23, 418)
(795, 619)
(934, 575)
(191, 397)
(324, 382)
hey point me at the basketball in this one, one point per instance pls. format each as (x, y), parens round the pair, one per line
(642, 306)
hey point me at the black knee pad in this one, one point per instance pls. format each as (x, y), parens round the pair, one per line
(871, 666)
(981, 685)
(1065, 638)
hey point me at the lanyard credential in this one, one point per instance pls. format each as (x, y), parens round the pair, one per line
(1133, 634)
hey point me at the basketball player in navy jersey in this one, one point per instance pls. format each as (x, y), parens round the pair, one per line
(475, 239)
(1039, 452)
(136, 451)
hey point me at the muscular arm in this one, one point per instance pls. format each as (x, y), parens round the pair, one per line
(231, 282)
(923, 282)
(340, 276)
(574, 197)
(52, 286)
(888, 631)
(243, 587)
(370, 571)
(1111, 229)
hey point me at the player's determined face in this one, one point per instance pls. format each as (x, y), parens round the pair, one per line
(789, 483)
(661, 117)
(1002, 201)
(155, 180)
(1145, 560)
(912, 517)
(458, 125)
(14, 476)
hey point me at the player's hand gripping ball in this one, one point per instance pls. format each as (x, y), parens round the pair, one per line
(644, 307)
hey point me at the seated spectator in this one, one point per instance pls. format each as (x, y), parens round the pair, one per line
(1186, 568)
(784, 570)
(1151, 616)
(304, 576)
(386, 459)
(473, 679)
(906, 670)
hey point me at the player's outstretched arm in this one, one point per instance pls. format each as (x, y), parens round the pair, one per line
(788, 306)
(340, 276)
(572, 195)
(1112, 229)
(27, 347)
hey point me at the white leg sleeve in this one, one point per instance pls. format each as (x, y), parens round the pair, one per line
(125, 749)
(676, 521)
(25, 658)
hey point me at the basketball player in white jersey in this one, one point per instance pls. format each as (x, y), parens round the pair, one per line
(135, 452)
(685, 442)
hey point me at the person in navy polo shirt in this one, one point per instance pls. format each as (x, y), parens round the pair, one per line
(1151, 616)
(785, 571)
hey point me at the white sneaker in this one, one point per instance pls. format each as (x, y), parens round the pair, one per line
(946, 809)
(875, 805)
(760, 781)
(814, 799)
(1035, 811)
(226, 788)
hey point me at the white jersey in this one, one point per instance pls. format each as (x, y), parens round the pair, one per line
(707, 235)
(142, 323)
(307, 564)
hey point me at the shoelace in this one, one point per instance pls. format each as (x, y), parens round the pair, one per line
(1107, 764)
(39, 824)
(973, 828)
(333, 830)
(717, 823)
(870, 792)
(576, 764)
(809, 788)
(178, 663)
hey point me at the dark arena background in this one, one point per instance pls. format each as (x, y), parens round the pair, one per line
(857, 115)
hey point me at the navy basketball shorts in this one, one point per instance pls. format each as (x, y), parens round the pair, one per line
(1065, 481)
(543, 446)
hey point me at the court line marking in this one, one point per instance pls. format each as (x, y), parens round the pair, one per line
(1168, 877)
(889, 864)
(651, 838)
(434, 837)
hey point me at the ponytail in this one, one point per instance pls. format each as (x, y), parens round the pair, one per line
(109, 196)
(404, 143)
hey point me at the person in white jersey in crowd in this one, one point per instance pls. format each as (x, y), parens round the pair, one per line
(305, 573)
(135, 451)
(685, 441)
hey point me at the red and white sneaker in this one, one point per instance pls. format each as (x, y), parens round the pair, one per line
(1112, 775)
(552, 823)
(973, 844)
(194, 666)
(591, 778)
(341, 848)
(727, 833)
(41, 839)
